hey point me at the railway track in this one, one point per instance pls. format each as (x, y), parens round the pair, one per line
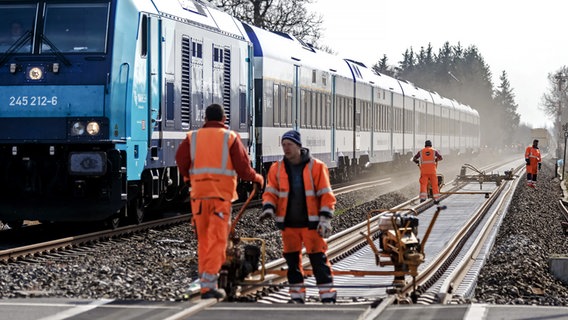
(441, 274)
(58, 245)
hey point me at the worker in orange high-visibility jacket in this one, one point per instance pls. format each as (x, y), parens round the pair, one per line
(211, 158)
(298, 196)
(533, 160)
(427, 159)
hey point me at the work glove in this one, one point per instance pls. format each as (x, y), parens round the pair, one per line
(258, 179)
(267, 213)
(539, 165)
(324, 227)
(527, 161)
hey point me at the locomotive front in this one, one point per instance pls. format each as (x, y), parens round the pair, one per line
(57, 158)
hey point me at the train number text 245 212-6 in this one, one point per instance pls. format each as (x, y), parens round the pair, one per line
(33, 101)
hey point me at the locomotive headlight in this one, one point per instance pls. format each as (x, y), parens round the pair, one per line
(35, 73)
(93, 128)
(77, 129)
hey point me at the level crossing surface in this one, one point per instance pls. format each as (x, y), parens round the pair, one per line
(79, 309)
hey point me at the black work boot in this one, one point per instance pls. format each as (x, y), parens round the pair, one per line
(218, 294)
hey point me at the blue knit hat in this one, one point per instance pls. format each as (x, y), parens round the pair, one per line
(294, 136)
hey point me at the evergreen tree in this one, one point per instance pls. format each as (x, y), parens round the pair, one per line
(459, 74)
(507, 110)
(382, 67)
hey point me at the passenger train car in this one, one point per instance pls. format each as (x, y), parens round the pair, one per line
(97, 95)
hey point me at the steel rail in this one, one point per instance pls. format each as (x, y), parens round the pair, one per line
(33, 250)
(436, 268)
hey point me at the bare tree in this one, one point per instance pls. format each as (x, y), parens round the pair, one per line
(555, 104)
(288, 16)
(555, 99)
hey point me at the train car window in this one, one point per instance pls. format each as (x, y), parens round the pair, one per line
(317, 122)
(349, 115)
(395, 119)
(76, 28)
(17, 24)
(309, 100)
(376, 117)
(400, 120)
(367, 116)
(381, 119)
(242, 109)
(386, 118)
(217, 54)
(144, 37)
(358, 108)
(324, 110)
(361, 115)
(283, 106)
(218, 78)
(339, 113)
(197, 50)
(289, 97)
(302, 111)
(347, 123)
(329, 113)
(315, 109)
(170, 115)
(276, 110)
(343, 113)
(196, 81)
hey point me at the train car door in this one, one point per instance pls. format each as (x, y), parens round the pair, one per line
(333, 119)
(296, 99)
(154, 72)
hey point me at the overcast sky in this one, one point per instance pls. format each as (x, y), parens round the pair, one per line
(527, 39)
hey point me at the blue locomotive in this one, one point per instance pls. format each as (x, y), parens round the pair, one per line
(97, 95)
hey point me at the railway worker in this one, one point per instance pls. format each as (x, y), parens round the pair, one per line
(533, 160)
(427, 159)
(210, 158)
(298, 196)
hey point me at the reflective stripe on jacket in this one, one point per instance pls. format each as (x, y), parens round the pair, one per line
(428, 160)
(211, 173)
(320, 199)
(533, 154)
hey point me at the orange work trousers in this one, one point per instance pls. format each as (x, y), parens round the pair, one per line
(433, 178)
(532, 168)
(212, 222)
(292, 239)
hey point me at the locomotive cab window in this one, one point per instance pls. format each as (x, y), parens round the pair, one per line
(75, 28)
(16, 27)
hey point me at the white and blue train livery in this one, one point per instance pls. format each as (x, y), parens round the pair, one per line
(97, 95)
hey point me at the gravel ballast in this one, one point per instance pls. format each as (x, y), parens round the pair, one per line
(160, 265)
